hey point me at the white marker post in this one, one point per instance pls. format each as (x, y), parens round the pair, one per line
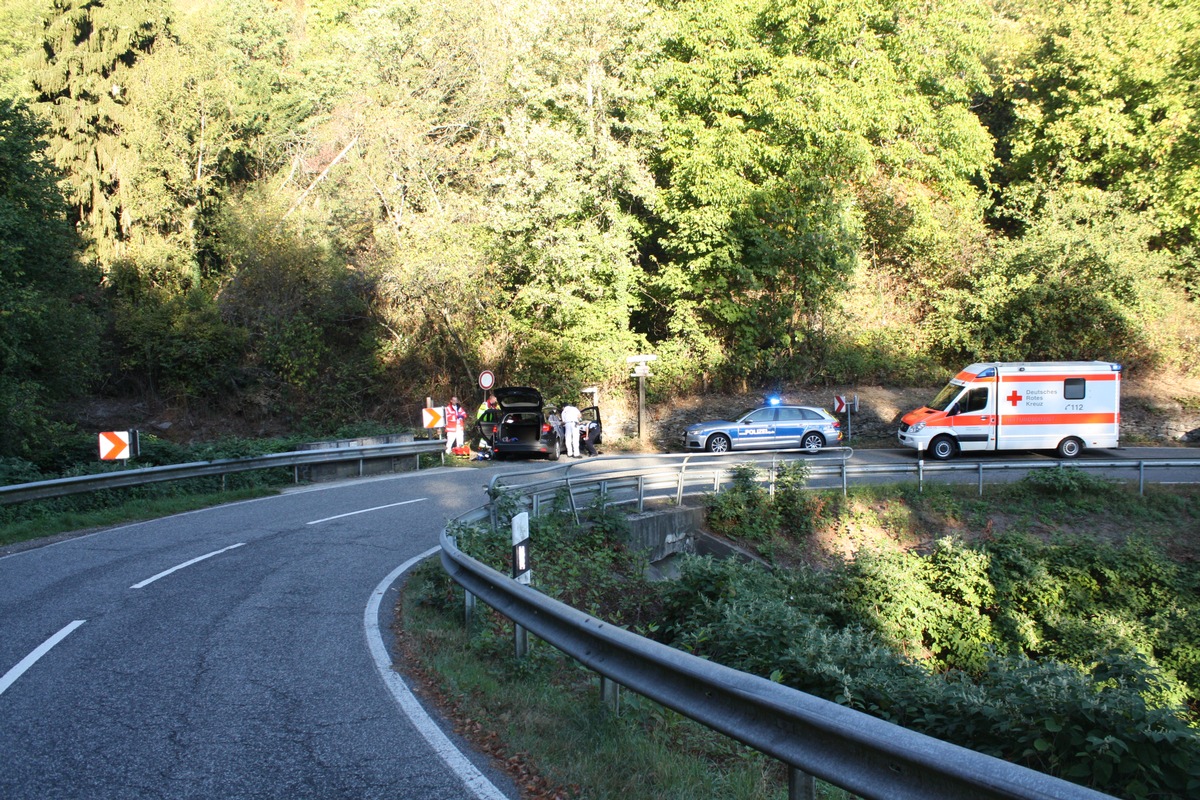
(521, 572)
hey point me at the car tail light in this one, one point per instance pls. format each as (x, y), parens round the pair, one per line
(837, 424)
(545, 427)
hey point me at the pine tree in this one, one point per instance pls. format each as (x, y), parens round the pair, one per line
(80, 78)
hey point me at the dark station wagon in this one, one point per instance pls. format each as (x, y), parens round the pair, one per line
(520, 425)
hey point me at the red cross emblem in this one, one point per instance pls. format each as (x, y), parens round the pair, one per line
(1014, 398)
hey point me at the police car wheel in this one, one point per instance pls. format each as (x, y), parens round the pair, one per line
(943, 448)
(719, 443)
(1069, 447)
(812, 442)
(554, 451)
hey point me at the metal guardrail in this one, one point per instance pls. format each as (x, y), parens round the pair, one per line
(814, 737)
(675, 476)
(59, 487)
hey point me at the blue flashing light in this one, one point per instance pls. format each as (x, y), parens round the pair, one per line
(990, 372)
(774, 400)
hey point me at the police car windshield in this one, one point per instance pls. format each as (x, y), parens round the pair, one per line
(946, 397)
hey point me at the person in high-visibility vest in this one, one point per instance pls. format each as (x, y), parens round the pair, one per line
(491, 402)
(456, 424)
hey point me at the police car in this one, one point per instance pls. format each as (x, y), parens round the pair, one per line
(778, 427)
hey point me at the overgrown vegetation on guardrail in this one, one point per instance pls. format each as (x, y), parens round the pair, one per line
(1055, 623)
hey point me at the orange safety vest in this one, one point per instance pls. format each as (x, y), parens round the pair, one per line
(456, 417)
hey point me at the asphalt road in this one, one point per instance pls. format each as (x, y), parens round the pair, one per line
(128, 672)
(241, 651)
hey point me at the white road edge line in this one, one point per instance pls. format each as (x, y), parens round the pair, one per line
(29, 660)
(165, 573)
(474, 780)
(365, 510)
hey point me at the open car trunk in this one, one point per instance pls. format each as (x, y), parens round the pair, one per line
(519, 427)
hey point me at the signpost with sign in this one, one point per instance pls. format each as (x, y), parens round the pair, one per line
(641, 371)
(844, 404)
(119, 445)
(487, 380)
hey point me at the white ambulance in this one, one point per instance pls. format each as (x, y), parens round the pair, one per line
(1035, 405)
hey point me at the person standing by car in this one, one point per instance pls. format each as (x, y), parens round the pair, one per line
(585, 438)
(570, 419)
(456, 424)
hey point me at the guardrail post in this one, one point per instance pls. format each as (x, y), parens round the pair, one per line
(771, 478)
(1141, 478)
(921, 475)
(468, 609)
(641, 500)
(571, 494)
(981, 479)
(801, 785)
(844, 487)
(610, 694)
(537, 505)
(520, 641)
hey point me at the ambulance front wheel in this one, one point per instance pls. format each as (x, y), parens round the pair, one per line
(1069, 447)
(943, 448)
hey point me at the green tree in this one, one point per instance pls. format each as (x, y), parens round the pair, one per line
(20, 23)
(49, 332)
(82, 78)
(568, 174)
(1083, 282)
(1104, 95)
(779, 116)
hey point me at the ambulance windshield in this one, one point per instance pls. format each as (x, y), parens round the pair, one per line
(946, 397)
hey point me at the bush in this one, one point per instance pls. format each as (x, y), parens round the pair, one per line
(743, 511)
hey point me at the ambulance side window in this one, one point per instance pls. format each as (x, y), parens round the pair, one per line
(1074, 388)
(977, 400)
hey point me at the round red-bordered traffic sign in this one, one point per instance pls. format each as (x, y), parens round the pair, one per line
(486, 380)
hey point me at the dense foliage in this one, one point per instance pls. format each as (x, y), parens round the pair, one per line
(334, 208)
(1073, 654)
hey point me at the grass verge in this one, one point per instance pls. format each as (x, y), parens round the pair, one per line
(82, 521)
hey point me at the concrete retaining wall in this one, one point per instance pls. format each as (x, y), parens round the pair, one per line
(666, 534)
(366, 466)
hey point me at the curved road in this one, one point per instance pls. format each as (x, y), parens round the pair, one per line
(226, 653)
(239, 651)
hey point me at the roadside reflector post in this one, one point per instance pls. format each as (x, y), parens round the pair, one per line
(920, 469)
(521, 572)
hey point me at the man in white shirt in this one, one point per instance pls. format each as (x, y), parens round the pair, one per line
(570, 419)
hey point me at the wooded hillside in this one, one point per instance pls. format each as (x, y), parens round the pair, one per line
(324, 210)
